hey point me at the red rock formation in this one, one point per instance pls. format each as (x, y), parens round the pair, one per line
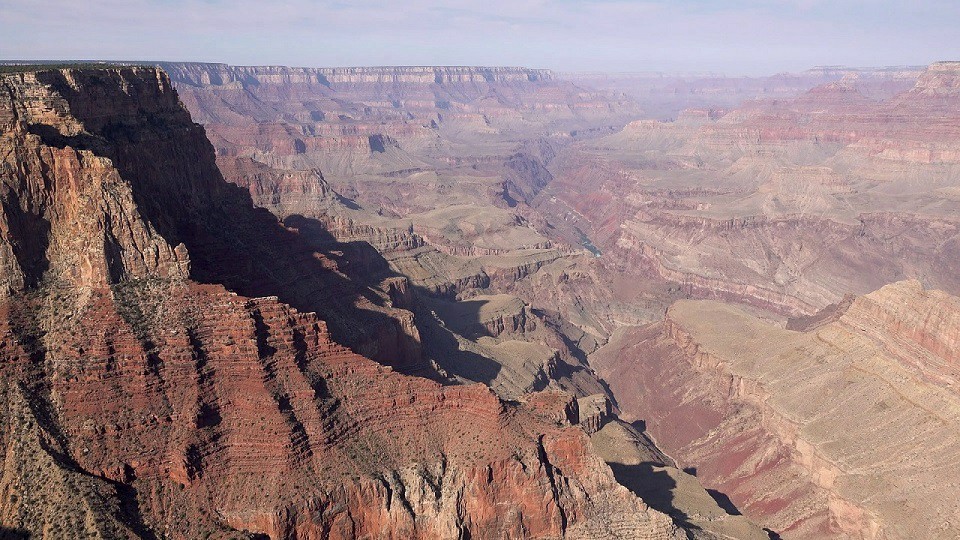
(137, 402)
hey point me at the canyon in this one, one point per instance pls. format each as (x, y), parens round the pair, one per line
(670, 306)
(787, 205)
(145, 395)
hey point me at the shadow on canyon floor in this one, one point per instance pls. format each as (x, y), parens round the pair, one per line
(654, 487)
(13, 534)
(657, 488)
(724, 502)
(365, 266)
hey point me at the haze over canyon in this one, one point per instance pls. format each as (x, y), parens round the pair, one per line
(248, 302)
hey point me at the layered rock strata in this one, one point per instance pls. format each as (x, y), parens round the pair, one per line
(142, 397)
(785, 204)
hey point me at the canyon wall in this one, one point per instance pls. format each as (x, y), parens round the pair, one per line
(155, 382)
(665, 96)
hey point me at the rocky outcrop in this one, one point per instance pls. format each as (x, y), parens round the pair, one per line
(595, 411)
(732, 385)
(67, 216)
(920, 327)
(284, 192)
(141, 396)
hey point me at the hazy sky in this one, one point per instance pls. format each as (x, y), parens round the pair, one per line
(734, 37)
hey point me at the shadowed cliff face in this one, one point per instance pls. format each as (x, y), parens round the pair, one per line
(144, 394)
(383, 170)
(177, 190)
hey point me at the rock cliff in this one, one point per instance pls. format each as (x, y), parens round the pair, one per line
(152, 383)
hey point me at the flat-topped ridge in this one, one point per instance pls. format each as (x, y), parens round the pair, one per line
(218, 74)
(945, 65)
